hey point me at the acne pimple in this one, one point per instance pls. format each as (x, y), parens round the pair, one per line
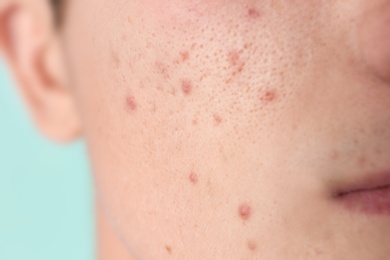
(193, 177)
(244, 211)
(234, 57)
(184, 55)
(252, 245)
(186, 87)
(131, 103)
(217, 119)
(267, 96)
(253, 13)
(236, 63)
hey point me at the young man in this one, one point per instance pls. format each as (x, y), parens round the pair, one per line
(218, 129)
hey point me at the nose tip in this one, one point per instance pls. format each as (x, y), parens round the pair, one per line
(375, 40)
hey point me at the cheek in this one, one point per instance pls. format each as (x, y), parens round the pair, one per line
(203, 60)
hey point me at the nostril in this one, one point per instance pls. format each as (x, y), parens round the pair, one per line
(375, 41)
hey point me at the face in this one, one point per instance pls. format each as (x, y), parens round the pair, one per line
(232, 129)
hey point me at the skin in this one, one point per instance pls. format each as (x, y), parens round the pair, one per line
(218, 129)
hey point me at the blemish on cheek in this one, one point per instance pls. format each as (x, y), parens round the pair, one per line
(234, 58)
(193, 177)
(236, 63)
(267, 96)
(184, 55)
(186, 87)
(162, 69)
(131, 103)
(115, 59)
(253, 13)
(217, 119)
(252, 245)
(168, 249)
(244, 211)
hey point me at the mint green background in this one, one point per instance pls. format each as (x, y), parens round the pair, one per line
(46, 209)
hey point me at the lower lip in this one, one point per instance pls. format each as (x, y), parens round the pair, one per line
(371, 202)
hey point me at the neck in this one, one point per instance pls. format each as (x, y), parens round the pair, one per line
(109, 245)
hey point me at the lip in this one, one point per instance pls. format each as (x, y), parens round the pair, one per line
(370, 195)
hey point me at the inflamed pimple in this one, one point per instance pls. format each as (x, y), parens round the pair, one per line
(184, 55)
(267, 95)
(186, 87)
(217, 119)
(253, 13)
(244, 211)
(193, 177)
(131, 103)
(251, 245)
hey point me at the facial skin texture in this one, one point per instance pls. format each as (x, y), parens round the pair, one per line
(219, 129)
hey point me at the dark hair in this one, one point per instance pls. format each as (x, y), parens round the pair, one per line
(58, 9)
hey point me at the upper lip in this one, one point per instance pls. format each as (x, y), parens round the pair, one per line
(370, 182)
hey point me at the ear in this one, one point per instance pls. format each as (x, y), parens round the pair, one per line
(31, 44)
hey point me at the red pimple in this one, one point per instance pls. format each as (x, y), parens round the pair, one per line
(217, 119)
(252, 246)
(244, 211)
(186, 87)
(234, 58)
(268, 95)
(184, 55)
(193, 178)
(131, 103)
(253, 13)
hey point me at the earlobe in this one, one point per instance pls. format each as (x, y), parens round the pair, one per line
(33, 50)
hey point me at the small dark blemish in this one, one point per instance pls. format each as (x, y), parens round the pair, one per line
(169, 249)
(131, 103)
(244, 211)
(186, 87)
(193, 178)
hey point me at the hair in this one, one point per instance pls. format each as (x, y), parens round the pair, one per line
(58, 9)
